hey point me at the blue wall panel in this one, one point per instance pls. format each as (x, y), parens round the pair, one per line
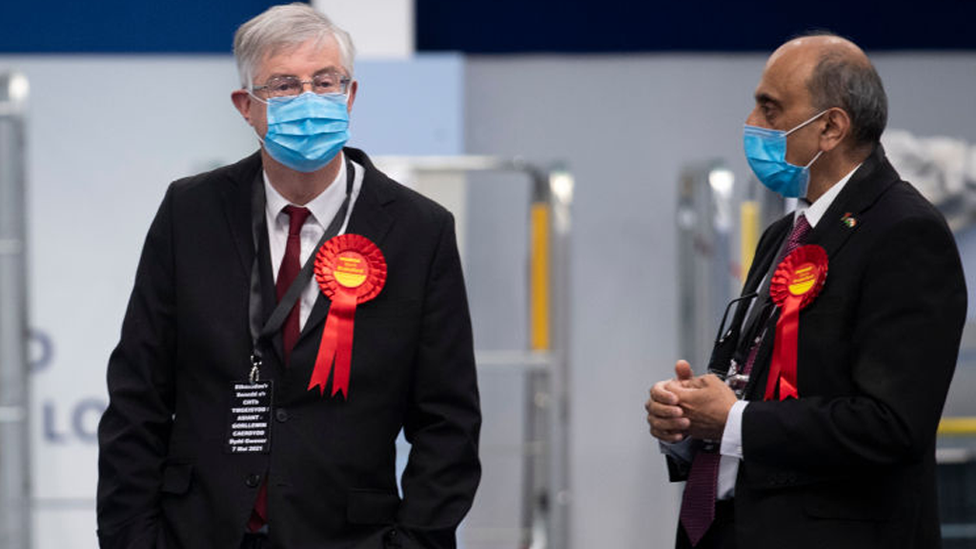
(124, 26)
(412, 107)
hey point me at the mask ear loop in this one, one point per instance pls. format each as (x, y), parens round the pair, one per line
(814, 160)
(811, 119)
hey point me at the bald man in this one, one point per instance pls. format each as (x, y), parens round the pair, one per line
(816, 427)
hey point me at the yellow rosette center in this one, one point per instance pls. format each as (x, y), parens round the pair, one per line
(803, 279)
(351, 269)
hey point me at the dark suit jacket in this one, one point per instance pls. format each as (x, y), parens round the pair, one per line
(164, 477)
(851, 463)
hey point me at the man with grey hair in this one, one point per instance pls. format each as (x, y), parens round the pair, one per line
(816, 426)
(253, 404)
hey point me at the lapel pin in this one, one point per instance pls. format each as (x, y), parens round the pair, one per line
(849, 220)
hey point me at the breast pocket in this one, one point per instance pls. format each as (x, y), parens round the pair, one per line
(386, 341)
(394, 309)
(825, 305)
(824, 331)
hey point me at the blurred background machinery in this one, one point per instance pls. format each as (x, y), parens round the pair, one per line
(530, 445)
(15, 464)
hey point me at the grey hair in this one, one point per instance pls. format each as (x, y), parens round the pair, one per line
(853, 85)
(283, 27)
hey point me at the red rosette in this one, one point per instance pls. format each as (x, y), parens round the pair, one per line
(797, 281)
(802, 274)
(353, 246)
(350, 270)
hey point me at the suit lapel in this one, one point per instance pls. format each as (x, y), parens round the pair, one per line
(237, 198)
(868, 183)
(236, 201)
(757, 273)
(727, 347)
(269, 295)
(766, 255)
(369, 218)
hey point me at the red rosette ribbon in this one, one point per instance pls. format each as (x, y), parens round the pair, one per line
(350, 270)
(795, 284)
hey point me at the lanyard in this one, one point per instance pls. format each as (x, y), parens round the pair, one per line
(288, 301)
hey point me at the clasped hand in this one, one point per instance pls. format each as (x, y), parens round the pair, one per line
(689, 406)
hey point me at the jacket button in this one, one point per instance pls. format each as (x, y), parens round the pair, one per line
(281, 415)
(253, 480)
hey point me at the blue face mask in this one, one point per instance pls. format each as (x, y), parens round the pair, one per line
(307, 131)
(766, 153)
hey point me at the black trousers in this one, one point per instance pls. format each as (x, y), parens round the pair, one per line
(720, 535)
(256, 541)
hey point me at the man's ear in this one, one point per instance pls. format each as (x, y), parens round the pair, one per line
(353, 88)
(242, 102)
(836, 130)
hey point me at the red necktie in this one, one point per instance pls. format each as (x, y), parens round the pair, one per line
(698, 504)
(287, 272)
(290, 266)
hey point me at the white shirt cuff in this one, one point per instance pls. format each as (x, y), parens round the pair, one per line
(732, 436)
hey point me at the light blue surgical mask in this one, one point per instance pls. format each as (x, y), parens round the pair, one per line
(307, 131)
(766, 153)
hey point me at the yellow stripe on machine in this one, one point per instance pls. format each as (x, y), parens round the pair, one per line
(539, 277)
(748, 235)
(957, 426)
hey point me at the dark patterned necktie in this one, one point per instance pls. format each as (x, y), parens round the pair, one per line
(801, 229)
(698, 503)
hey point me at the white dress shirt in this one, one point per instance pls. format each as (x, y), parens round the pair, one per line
(323, 207)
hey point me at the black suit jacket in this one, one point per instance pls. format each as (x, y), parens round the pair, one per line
(851, 463)
(164, 477)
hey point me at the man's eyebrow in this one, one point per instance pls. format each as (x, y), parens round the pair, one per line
(333, 69)
(279, 74)
(766, 99)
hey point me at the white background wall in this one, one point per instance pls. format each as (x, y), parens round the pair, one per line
(381, 29)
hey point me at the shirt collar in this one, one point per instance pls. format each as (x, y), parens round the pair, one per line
(323, 207)
(815, 211)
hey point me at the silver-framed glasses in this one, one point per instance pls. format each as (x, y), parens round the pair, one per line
(291, 86)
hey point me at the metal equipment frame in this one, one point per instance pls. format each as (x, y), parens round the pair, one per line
(545, 489)
(15, 473)
(706, 278)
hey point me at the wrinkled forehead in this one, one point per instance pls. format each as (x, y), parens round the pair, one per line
(312, 55)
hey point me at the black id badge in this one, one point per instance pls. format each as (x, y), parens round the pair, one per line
(249, 420)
